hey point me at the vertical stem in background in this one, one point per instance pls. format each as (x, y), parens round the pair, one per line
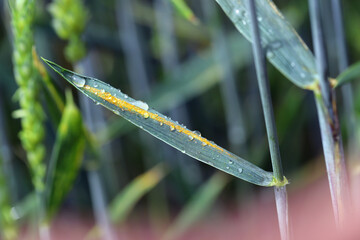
(259, 58)
(140, 87)
(69, 20)
(329, 122)
(342, 59)
(234, 117)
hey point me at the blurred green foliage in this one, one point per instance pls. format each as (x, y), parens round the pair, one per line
(199, 93)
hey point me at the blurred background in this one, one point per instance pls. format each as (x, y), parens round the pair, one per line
(200, 72)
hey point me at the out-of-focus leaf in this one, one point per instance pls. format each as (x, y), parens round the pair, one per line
(183, 29)
(66, 158)
(284, 48)
(350, 74)
(26, 207)
(184, 10)
(165, 129)
(194, 77)
(198, 205)
(125, 201)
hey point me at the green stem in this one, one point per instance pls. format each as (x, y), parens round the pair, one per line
(329, 122)
(263, 82)
(334, 159)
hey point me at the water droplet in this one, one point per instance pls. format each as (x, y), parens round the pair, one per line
(231, 162)
(78, 81)
(161, 124)
(146, 115)
(97, 103)
(172, 128)
(227, 167)
(237, 11)
(191, 137)
(197, 133)
(240, 170)
(203, 144)
(141, 105)
(275, 45)
(302, 75)
(125, 96)
(114, 100)
(87, 87)
(95, 85)
(270, 54)
(96, 93)
(292, 64)
(259, 19)
(103, 90)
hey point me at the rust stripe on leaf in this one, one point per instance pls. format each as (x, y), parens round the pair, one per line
(127, 106)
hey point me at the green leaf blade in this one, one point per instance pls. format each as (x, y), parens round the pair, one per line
(185, 11)
(285, 49)
(350, 74)
(126, 200)
(165, 129)
(66, 157)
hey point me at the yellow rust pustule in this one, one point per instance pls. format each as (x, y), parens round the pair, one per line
(127, 106)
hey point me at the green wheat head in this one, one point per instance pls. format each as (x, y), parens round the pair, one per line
(69, 19)
(31, 112)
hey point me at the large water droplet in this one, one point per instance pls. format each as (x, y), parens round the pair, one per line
(146, 115)
(240, 170)
(203, 144)
(141, 105)
(197, 133)
(78, 81)
(191, 137)
(172, 128)
(231, 162)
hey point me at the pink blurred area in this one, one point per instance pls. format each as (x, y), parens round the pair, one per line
(310, 210)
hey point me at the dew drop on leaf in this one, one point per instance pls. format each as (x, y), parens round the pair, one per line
(141, 105)
(78, 81)
(197, 133)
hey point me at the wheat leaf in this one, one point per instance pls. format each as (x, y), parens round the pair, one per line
(350, 74)
(284, 48)
(66, 157)
(165, 129)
